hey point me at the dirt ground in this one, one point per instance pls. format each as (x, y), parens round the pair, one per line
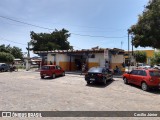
(25, 91)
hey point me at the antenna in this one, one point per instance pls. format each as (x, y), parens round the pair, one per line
(121, 44)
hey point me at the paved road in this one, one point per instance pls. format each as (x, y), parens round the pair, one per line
(25, 91)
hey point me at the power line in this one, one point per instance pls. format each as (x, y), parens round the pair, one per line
(97, 36)
(54, 29)
(25, 23)
(12, 41)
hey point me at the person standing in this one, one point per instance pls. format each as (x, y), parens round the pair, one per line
(83, 68)
(106, 65)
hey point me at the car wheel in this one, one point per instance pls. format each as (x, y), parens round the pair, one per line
(42, 77)
(105, 81)
(125, 80)
(16, 70)
(63, 74)
(111, 78)
(53, 76)
(144, 86)
(2, 70)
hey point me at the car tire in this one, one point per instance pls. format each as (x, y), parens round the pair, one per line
(42, 77)
(16, 70)
(105, 81)
(111, 78)
(63, 74)
(2, 70)
(54, 76)
(144, 86)
(125, 80)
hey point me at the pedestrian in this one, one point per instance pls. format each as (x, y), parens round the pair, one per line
(107, 65)
(83, 68)
(123, 65)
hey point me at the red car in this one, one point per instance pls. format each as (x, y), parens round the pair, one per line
(51, 71)
(146, 78)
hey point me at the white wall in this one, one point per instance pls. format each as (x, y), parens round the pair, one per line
(50, 57)
(59, 58)
(117, 59)
(99, 58)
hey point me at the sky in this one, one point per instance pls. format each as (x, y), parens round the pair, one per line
(92, 23)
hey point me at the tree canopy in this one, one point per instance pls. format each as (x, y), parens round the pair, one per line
(57, 40)
(140, 56)
(6, 57)
(15, 51)
(156, 58)
(146, 32)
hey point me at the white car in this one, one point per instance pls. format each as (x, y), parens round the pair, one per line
(157, 66)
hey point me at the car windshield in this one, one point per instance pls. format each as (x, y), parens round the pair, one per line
(154, 73)
(95, 70)
(45, 67)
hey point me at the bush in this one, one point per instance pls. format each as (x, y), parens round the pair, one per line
(6, 57)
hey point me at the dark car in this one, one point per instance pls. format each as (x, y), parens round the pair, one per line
(146, 78)
(98, 74)
(51, 71)
(4, 67)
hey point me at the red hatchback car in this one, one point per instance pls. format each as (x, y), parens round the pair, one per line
(146, 78)
(51, 71)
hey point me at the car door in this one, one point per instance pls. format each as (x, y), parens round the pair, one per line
(132, 76)
(58, 70)
(140, 76)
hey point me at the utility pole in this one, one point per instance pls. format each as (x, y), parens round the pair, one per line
(28, 59)
(28, 51)
(128, 52)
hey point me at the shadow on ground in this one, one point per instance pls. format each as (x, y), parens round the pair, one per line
(100, 85)
(50, 78)
(151, 90)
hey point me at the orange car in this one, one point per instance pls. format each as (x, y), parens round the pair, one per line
(146, 78)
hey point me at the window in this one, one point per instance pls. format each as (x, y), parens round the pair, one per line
(142, 73)
(45, 67)
(58, 67)
(154, 73)
(134, 72)
(53, 67)
(105, 71)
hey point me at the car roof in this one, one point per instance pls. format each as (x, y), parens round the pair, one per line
(147, 69)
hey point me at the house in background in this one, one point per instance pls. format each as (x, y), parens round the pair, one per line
(72, 60)
(149, 53)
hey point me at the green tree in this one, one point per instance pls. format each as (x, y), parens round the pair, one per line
(57, 40)
(146, 32)
(6, 57)
(156, 58)
(15, 51)
(140, 56)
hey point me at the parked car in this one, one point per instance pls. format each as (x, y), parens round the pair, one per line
(4, 67)
(157, 66)
(51, 71)
(98, 74)
(146, 78)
